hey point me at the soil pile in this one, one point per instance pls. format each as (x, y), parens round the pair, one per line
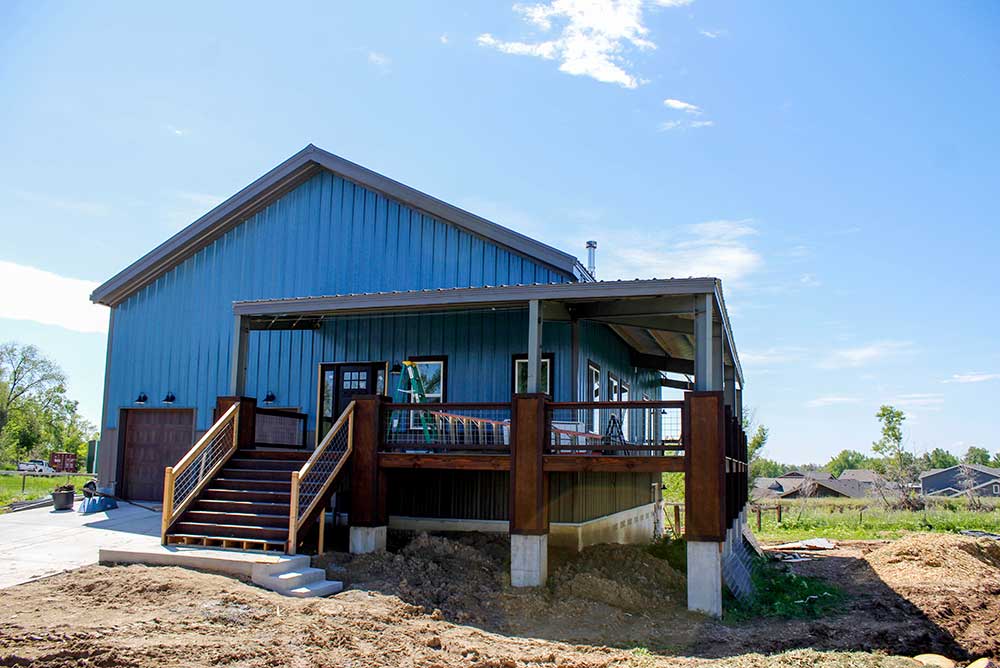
(953, 580)
(622, 576)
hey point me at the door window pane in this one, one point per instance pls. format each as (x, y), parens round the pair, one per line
(521, 376)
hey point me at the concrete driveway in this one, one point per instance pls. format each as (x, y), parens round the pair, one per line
(42, 542)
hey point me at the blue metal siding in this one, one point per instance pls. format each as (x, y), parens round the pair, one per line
(599, 344)
(327, 236)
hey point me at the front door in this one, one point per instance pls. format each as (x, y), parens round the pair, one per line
(340, 383)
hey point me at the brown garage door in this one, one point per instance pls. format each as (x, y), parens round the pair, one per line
(154, 439)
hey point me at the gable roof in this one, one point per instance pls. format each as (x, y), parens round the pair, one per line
(850, 488)
(812, 475)
(286, 176)
(988, 470)
(861, 475)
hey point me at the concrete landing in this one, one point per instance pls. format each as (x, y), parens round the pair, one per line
(284, 574)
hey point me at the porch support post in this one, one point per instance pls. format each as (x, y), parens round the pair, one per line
(238, 363)
(705, 499)
(529, 493)
(534, 346)
(718, 357)
(703, 348)
(369, 517)
(729, 388)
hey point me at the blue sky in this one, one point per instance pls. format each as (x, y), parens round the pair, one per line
(833, 162)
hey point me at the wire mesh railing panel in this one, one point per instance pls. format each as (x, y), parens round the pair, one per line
(322, 468)
(217, 449)
(615, 428)
(282, 428)
(446, 428)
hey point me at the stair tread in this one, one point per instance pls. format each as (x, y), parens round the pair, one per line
(291, 575)
(318, 588)
(230, 526)
(184, 534)
(230, 513)
(255, 480)
(243, 491)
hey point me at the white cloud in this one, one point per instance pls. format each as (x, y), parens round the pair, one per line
(972, 377)
(809, 281)
(718, 248)
(73, 206)
(667, 126)
(831, 400)
(176, 131)
(713, 34)
(591, 38)
(773, 355)
(927, 401)
(380, 61)
(862, 355)
(679, 105)
(50, 299)
(443, 38)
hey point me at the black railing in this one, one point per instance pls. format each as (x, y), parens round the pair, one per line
(635, 428)
(451, 427)
(278, 428)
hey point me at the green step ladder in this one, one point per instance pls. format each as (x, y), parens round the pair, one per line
(411, 384)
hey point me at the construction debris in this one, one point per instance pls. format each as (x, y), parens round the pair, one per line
(811, 544)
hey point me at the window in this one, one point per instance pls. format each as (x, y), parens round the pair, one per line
(521, 373)
(996, 489)
(614, 389)
(623, 396)
(355, 380)
(594, 391)
(432, 371)
(648, 422)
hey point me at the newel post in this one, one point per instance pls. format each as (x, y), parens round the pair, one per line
(369, 517)
(704, 498)
(246, 428)
(529, 493)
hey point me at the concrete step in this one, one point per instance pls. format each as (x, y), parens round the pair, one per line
(323, 588)
(299, 578)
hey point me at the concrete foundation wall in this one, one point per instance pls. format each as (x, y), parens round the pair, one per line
(631, 526)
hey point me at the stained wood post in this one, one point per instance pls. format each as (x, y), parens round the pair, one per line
(322, 530)
(529, 503)
(779, 513)
(704, 467)
(677, 522)
(293, 515)
(757, 510)
(168, 502)
(368, 485)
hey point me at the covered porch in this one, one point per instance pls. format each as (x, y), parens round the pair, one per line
(677, 329)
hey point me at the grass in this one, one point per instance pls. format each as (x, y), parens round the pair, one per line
(783, 594)
(867, 519)
(778, 592)
(35, 487)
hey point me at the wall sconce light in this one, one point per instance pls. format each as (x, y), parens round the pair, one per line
(141, 399)
(396, 368)
(269, 398)
(170, 398)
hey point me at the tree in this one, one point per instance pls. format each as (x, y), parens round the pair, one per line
(976, 455)
(25, 374)
(759, 467)
(995, 462)
(938, 458)
(900, 465)
(36, 416)
(846, 459)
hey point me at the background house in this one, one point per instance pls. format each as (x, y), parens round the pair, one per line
(961, 479)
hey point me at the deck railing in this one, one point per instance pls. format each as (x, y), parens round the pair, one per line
(466, 427)
(181, 483)
(615, 427)
(311, 482)
(279, 428)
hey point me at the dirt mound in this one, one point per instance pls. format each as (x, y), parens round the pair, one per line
(953, 580)
(937, 560)
(623, 576)
(457, 577)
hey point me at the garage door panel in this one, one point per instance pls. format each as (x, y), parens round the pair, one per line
(154, 439)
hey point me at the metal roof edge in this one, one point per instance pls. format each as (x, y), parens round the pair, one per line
(287, 174)
(476, 295)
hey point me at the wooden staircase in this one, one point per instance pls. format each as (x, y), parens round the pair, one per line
(245, 505)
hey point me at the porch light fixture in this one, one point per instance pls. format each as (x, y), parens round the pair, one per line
(396, 368)
(170, 398)
(141, 399)
(269, 398)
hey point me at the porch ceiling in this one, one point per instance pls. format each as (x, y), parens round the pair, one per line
(654, 317)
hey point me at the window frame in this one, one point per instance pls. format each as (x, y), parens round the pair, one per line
(594, 417)
(423, 359)
(547, 358)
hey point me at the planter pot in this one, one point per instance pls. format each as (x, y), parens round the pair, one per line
(62, 500)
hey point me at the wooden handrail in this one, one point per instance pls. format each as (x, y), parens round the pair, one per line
(203, 442)
(551, 405)
(294, 521)
(171, 513)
